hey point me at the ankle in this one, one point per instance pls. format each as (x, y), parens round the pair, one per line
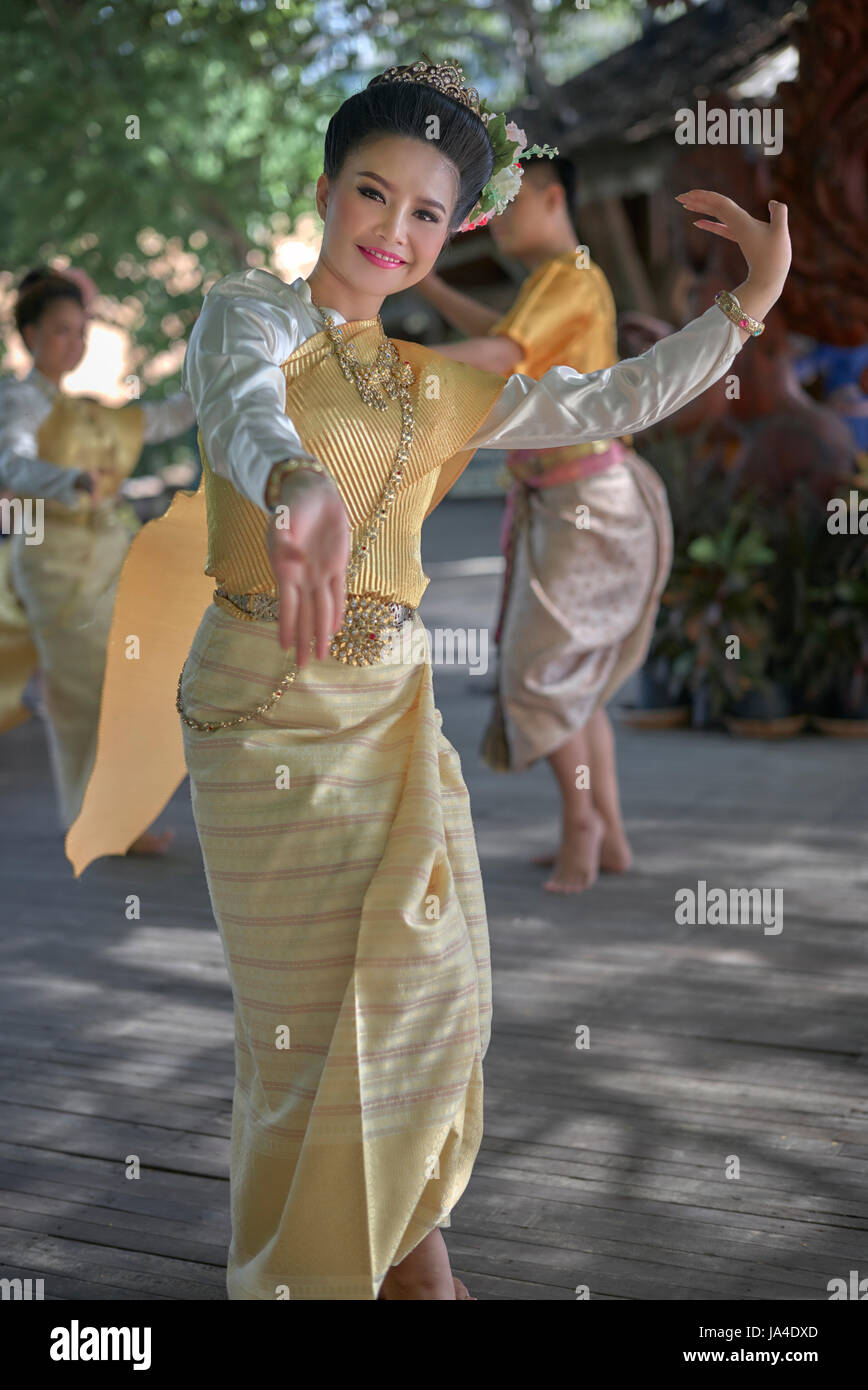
(581, 821)
(418, 1286)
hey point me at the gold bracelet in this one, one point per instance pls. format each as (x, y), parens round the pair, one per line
(733, 310)
(280, 470)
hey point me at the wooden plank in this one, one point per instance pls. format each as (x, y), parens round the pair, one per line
(683, 1239)
(59, 1287)
(184, 1197)
(156, 1147)
(136, 1271)
(121, 1230)
(118, 1102)
(814, 1211)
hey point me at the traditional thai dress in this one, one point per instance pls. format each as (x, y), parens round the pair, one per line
(59, 581)
(587, 538)
(335, 828)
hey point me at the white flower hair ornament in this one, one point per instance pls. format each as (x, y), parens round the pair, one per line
(510, 148)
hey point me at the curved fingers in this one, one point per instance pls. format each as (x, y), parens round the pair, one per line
(287, 605)
(339, 600)
(304, 628)
(322, 607)
(719, 229)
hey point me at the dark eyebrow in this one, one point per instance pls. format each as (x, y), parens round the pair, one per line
(369, 174)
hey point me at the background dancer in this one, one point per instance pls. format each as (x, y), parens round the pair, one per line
(73, 453)
(587, 534)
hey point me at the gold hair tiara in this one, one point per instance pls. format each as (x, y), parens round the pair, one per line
(507, 141)
(447, 78)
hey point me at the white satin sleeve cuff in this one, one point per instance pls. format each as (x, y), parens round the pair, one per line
(232, 375)
(34, 477)
(569, 407)
(165, 419)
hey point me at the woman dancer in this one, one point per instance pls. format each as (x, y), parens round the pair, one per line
(586, 534)
(330, 808)
(72, 453)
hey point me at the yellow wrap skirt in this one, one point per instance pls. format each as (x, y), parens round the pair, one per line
(342, 868)
(67, 587)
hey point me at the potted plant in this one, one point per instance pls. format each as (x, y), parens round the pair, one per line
(834, 655)
(697, 489)
(728, 612)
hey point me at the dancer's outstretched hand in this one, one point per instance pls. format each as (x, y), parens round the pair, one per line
(309, 547)
(765, 245)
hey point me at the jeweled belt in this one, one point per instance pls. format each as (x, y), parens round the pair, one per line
(361, 641)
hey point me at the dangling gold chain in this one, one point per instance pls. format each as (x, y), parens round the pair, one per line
(362, 637)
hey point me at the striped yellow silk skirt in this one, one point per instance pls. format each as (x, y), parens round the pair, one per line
(342, 867)
(67, 585)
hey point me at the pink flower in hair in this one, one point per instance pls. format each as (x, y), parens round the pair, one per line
(517, 137)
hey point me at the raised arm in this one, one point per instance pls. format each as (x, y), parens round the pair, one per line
(494, 354)
(568, 407)
(232, 375)
(460, 310)
(557, 303)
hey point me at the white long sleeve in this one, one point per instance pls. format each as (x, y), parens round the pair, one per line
(252, 321)
(165, 419)
(569, 407)
(23, 407)
(246, 329)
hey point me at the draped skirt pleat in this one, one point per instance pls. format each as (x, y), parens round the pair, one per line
(342, 868)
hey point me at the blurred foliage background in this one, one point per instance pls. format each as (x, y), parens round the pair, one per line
(160, 146)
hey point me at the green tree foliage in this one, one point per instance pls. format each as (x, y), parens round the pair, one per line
(131, 126)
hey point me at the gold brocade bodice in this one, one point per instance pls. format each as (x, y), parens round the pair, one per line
(564, 315)
(79, 432)
(358, 445)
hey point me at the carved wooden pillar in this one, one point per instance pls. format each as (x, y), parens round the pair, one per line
(822, 175)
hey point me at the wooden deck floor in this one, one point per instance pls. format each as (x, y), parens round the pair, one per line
(603, 1167)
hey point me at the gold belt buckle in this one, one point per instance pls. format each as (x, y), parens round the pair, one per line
(362, 640)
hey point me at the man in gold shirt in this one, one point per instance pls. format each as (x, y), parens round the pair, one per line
(587, 534)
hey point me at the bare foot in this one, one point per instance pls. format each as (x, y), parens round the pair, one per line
(578, 859)
(152, 844)
(423, 1274)
(616, 856)
(461, 1290)
(393, 1290)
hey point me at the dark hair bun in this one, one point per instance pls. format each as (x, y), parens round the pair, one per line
(39, 288)
(406, 108)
